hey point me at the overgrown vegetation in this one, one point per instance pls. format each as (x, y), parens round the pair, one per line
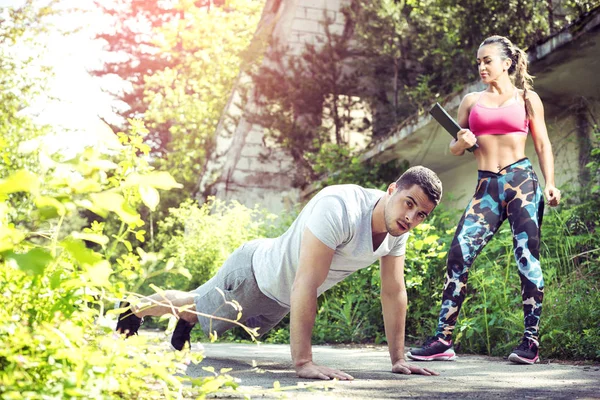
(55, 340)
(491, 320)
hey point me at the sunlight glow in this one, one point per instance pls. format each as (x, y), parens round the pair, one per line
(74, 102)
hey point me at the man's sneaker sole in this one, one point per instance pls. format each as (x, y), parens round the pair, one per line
(449, 355)
(520, 360)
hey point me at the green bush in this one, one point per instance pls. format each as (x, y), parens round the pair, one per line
(200, 238)
(350, 312)
(570, 327)
(55, 339)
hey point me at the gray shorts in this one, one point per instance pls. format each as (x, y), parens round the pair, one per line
(236, 279)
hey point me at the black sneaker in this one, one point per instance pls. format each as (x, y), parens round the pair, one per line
(525, 353)
(181, 334)
(434, 349)
(128, 323)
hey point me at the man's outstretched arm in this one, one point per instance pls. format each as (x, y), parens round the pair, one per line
(394, 302)
(315, 261)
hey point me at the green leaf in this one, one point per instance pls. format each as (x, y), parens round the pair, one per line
(107, 200)
(128, 245)
(45, 202)
(20, 181)
(79, 251)
(150, 196)
(87, 204)
(170, 264)
(139, 235)
(159, 180)
(128, 215)
(158, 290)
(99, 273)
(55, 279)
(10, 237)
(86, 186)
(184, 272)
(103, 165)
(431, 239)
(118, 311)
(116, 203)
(91, 237)
(34, 261)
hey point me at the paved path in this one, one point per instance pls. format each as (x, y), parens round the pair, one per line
(469, 377)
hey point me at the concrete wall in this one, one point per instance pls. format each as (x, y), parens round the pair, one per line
(243, 167)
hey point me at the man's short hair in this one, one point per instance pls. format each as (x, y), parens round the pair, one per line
(425, 178)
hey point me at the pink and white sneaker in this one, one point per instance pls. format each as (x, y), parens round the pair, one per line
(434, 349)
(525, 353)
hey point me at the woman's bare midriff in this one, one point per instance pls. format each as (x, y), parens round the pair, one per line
(497, 151)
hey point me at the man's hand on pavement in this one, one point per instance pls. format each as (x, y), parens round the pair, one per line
(311, 370)
(402, 367)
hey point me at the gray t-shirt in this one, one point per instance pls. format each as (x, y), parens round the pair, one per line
(340, 217)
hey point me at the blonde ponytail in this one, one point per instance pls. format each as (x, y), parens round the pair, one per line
(522, 77)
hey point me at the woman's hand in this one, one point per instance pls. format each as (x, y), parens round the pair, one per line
(552, 195)
(465, 139)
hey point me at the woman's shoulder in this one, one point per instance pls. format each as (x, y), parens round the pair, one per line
(471, 98)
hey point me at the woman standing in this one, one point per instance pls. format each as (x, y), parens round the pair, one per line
(498, 120)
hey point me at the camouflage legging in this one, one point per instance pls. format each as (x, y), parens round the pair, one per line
(513, 194)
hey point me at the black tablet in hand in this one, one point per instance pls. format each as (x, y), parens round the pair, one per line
(447, 122)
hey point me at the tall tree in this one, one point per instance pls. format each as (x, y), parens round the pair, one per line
(425, 48)
(135, 40)
(181, 58)
(131, 41)
(305, 102)
(209, 45)
(182, 70)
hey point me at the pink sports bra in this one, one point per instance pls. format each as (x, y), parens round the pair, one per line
(499, 120)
